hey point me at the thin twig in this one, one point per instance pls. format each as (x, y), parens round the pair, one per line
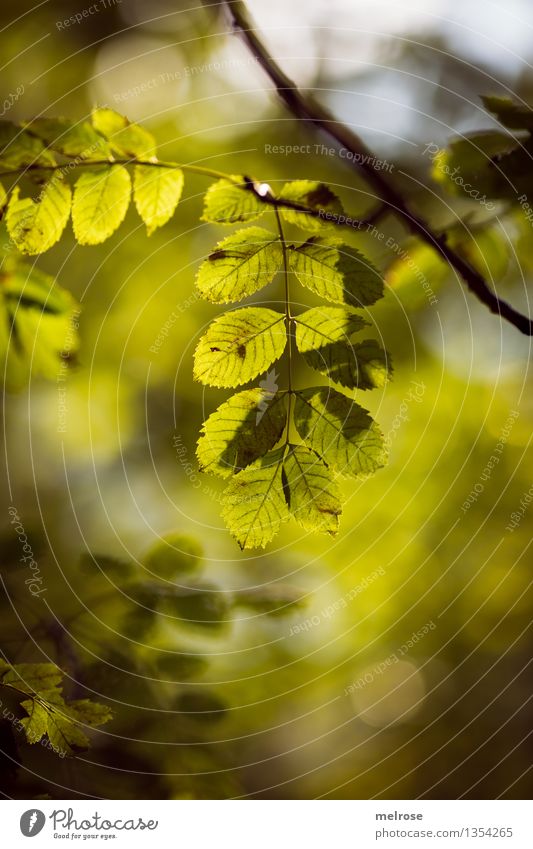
(307, 109)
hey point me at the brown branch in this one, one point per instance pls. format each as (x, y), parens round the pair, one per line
(306, 108)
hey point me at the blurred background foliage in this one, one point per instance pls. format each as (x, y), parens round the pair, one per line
(262, 705)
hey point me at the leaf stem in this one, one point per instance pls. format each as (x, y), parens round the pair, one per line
(288, 321)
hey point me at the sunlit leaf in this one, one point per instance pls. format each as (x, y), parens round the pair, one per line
(313, 497)
(242, 429)
(336, 271)
(101, 200)
(229, 201)
(239, 345)
(254, 505)
(315, 196)
(156, 193)
(324, 337)
(240, 265)
(34, 226)
(125, 138)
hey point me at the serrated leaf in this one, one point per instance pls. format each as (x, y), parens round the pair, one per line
(240, 265)
(90, 713)
(34, 226)
(315, 196)
(313, 497)
(70, 138)
(101, 200)
(18, 148)
(36, 723)
(242, 429)
(336, 271)
(156, 192)
(254, 505)
(323, 336)
(64, 734)
(339, 430)
(47, 711)
(238, 346)
(229, 201)
(40, 678)
(126, 139)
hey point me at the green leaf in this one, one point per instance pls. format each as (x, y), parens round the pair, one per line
(242, 429)
(38, 327)
(336, 271)
(34, 226)
(101, 200)
(90, 713)
(36, 723)
(47, 711)
(240, 265)
(254, 505)
(63, 732)
(239, 345)
(513, 115)
(3, 197)
(313, 497)
(40, 678)
(70, 138)
(156, 192)
(18, 148)
(229, 201)
(466, 167)
(323, 336)
(340, 431)
(315, 196)
(174, 554)
(126, 139)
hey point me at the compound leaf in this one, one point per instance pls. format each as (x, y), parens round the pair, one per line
(336, 272)
(254, 505)
(313, 195)
(34, 226)
(156, 192)
(101, 200)
(242, 429)
(239, 345)
(313, 497)
(231, 200)
(339, 430)
(240, 265)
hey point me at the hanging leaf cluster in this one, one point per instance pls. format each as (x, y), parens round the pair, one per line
(284, 450)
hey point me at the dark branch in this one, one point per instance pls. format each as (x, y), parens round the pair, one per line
(307, 109)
